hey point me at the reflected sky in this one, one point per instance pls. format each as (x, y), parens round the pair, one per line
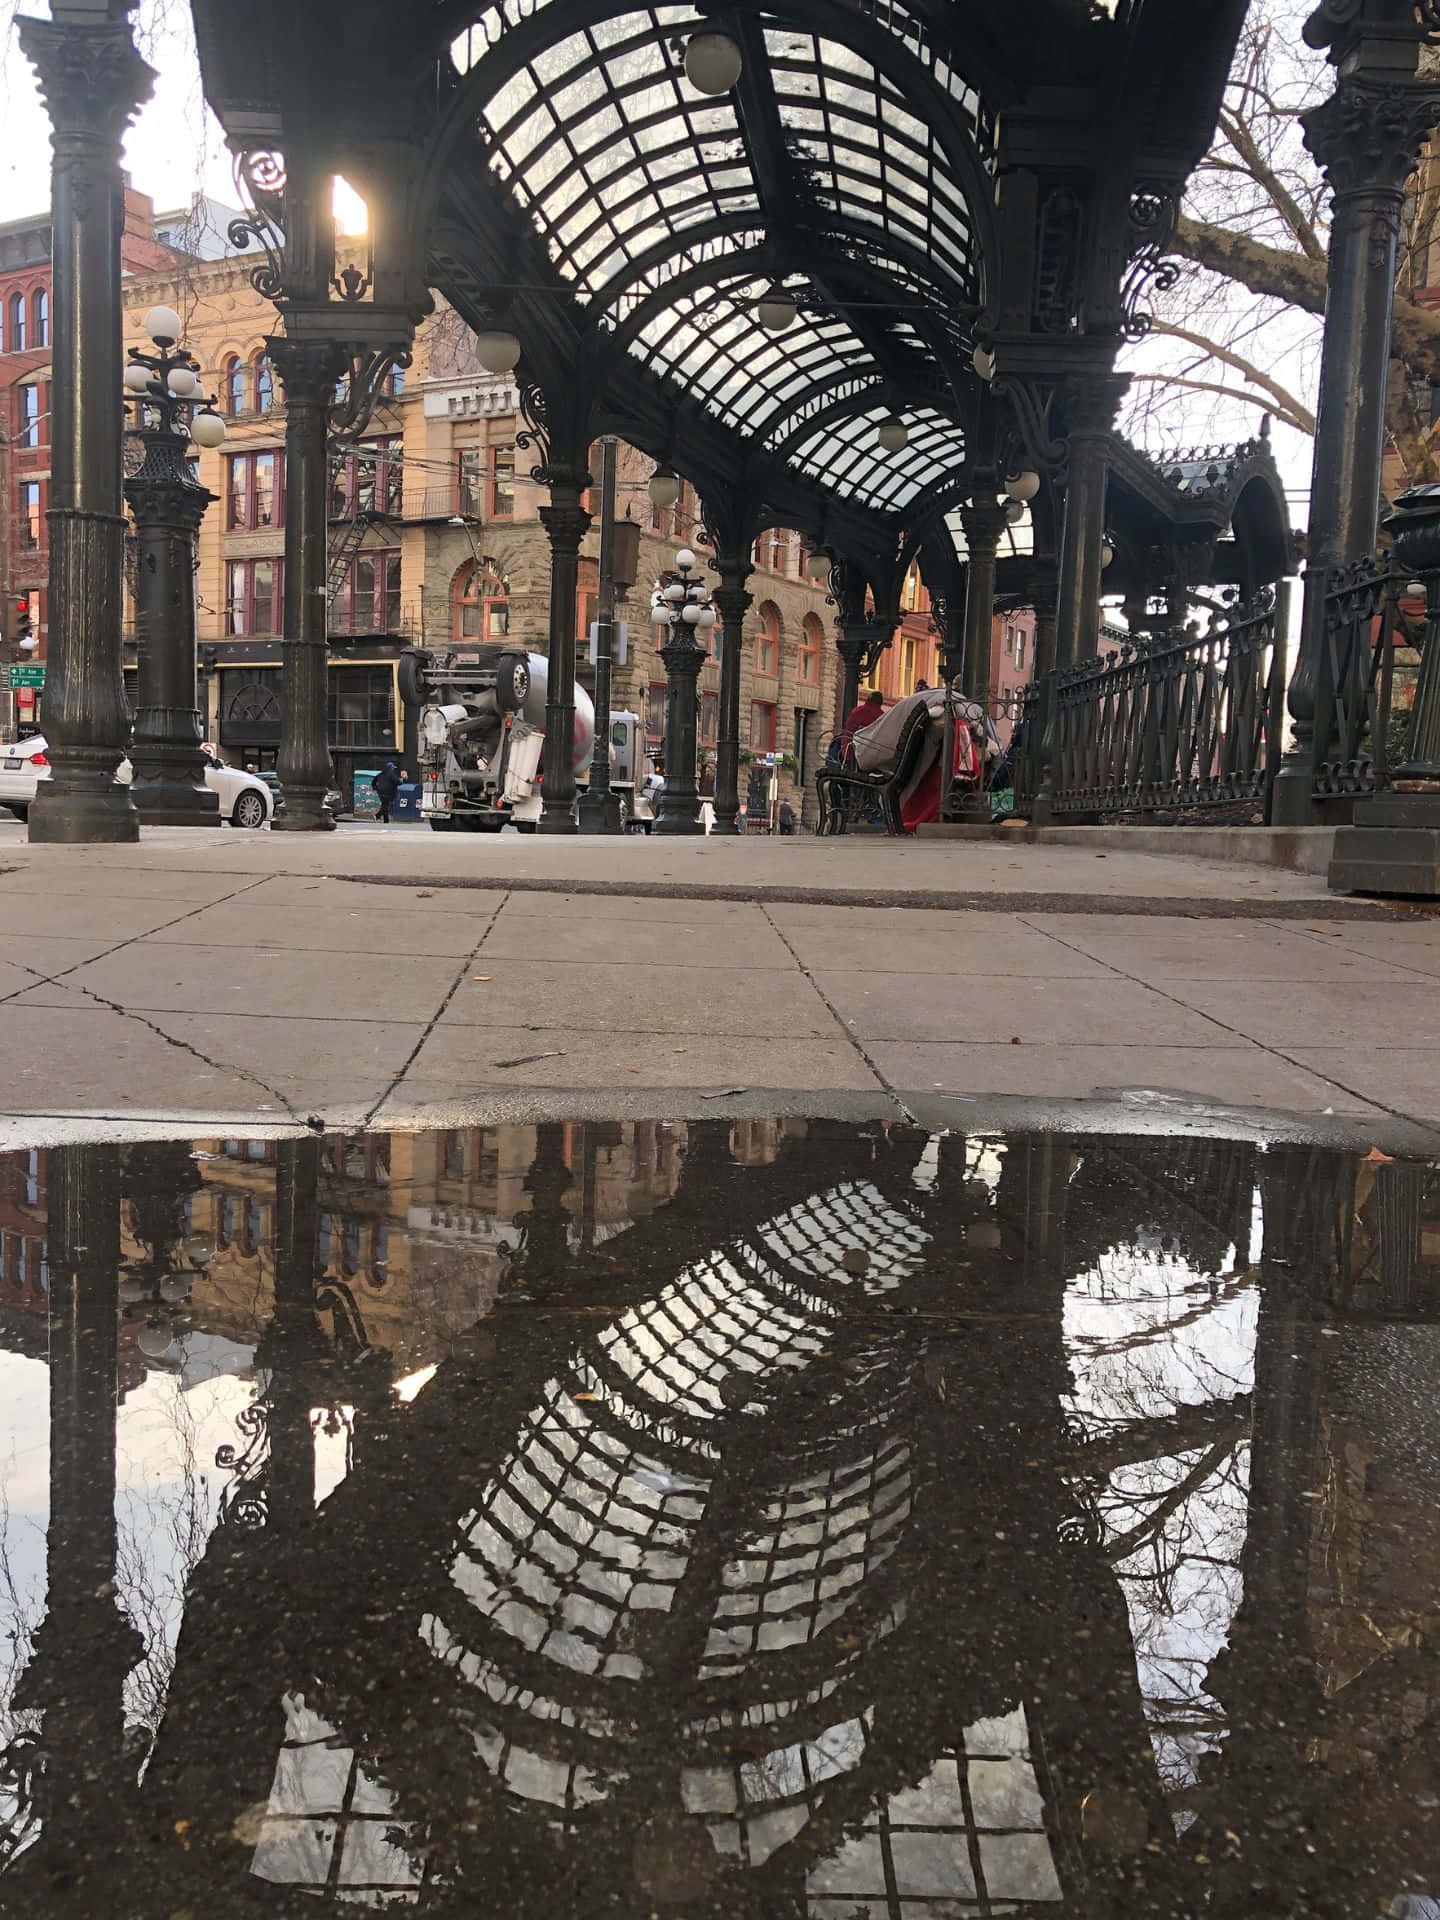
(776, 1518)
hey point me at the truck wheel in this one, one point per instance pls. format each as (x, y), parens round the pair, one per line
(442, 826)
(411, 673)
(512, 682)
(524, 826)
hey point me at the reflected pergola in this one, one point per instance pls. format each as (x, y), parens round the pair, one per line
(829, 1540)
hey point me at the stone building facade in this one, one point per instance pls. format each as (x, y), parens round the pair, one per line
(436, 537)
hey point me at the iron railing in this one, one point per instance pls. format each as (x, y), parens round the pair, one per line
(1171, 723)
(1355, 680)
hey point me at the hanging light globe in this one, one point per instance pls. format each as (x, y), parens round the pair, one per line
(1014, 513)
(1024, 485)
(894, 436)
(155, 1342)
(497, 351)
(819, 565)
(674, 593)
(983, 361)
(664, 487)
(1107, 552)
(137, 378)
(712, 62)
(776, 310)
(705, 617)
(182, 383)
(207, 429)
(163, 326)
(690, 613)
(685, 559)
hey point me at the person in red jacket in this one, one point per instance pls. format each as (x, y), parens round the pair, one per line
(870, 708)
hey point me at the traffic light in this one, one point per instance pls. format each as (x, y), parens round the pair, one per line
(16, 624)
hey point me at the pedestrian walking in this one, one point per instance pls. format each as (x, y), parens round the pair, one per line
(386, 785)
(787, 816)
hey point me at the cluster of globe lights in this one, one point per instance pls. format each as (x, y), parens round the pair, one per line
(684, 600)
(182, 380)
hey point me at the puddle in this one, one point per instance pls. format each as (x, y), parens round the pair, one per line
(758, 1518)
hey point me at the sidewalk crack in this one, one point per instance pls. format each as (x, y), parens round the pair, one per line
(852, 1039)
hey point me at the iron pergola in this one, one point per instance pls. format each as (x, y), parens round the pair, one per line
(961, 208)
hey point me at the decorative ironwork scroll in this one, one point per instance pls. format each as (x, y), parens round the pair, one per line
(1154, 212)
(245, 1502)
(260, 176)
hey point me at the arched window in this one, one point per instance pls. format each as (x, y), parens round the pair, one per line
(264, 385)
(40, 318)
(18, 333)
(482, 605)
(232, 387)
(767, 639)
(812, 641)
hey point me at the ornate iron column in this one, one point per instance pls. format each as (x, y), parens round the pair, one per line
(566, 522)
(93, 81)
(1090, 406)
(600, 808)
(168, 503)
(1045, 598)
(1367, 138)
(733, 602)
(309, 370)
(984, 521)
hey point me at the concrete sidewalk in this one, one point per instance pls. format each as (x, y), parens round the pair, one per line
(219, 974)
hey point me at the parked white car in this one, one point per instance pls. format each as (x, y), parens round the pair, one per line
(245, 800)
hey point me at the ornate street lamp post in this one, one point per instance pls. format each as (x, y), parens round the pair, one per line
(93, 81)
(168, 502)
(685, 602)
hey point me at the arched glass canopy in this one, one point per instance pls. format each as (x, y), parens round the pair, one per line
(851, 165)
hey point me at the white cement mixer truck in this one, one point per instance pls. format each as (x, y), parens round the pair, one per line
(482, 734)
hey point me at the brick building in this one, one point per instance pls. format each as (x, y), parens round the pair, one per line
(25, 332)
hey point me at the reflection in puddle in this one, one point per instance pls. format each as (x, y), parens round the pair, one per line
(772, 1519)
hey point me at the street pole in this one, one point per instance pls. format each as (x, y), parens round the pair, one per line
(8, 652)
(600, 807)
(93, 81)
(168, 504)
(687, 604)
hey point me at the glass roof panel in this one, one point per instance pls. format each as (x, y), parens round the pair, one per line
(616, 158)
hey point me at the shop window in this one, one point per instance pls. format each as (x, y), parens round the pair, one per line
(361, 707)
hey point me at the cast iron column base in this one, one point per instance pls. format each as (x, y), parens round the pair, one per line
(86, 803)
(600, 812)
(1393, 847)
(304, 812)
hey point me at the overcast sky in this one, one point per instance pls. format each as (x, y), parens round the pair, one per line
(173, 150)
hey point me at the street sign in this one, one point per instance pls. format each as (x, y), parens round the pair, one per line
(621, 644)
(32, 674)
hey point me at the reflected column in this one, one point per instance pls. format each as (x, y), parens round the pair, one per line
(86, 1644)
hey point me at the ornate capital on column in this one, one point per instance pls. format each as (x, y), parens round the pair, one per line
(732, 602)
(1092, 401)
(1367, 136)
(565, 521)
(308, 369)
(984, 522)
(91, 78)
